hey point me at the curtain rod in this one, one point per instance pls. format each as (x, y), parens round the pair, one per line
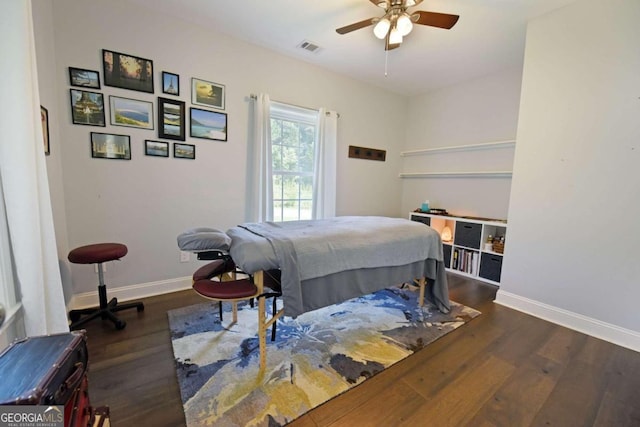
(253, 96)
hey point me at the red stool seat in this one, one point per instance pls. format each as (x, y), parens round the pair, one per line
(229, 290)
(213, 269)
(98, 253)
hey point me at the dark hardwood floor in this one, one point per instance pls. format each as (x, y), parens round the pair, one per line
(503, 368)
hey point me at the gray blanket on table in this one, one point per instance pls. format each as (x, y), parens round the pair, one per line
(312, 249)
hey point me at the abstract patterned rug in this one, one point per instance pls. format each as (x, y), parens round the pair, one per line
(315, 357)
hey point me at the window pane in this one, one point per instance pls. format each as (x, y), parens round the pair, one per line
(277, 187)
(289, 159)
(291, 189)
(290, 212)
(276, 157)
(306, 187)
(305, 209)
(277, 211)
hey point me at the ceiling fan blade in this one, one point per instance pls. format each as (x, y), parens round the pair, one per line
(355, 26)
(379, 3)
(434, 19)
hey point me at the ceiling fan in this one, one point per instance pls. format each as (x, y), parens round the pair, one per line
(397, 22)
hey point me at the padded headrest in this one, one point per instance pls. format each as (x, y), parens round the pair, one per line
(203, 239)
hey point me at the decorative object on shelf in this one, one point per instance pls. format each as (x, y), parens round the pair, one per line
(110, 146)
(44, 120)
(87, 108)
(131, 112)
(367, 153)
(208, 94)
(208, 124)
(425, 206)
(488, 246)
(446, 234)
(184, 151)
(171, 119)
(498, 245)
(156, 148)
(84, 78)
(436, 211)
(170, 83)
(127, 71)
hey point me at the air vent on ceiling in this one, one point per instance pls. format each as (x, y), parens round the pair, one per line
(309, 46)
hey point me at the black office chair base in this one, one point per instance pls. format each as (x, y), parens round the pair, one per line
(105, 311)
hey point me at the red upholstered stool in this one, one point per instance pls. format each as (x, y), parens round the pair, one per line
(231, 290)
(98, 254)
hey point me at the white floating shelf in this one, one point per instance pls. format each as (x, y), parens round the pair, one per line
(478, 174)
(469, 147)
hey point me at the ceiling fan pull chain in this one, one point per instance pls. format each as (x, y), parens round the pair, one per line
(386, 56)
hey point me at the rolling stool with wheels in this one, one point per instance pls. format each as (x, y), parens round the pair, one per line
(98, 254)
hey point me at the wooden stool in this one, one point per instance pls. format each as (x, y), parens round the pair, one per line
(98, 254)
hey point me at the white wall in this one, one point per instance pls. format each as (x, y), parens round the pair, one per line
(478, 111)
(146, 202)
(573, 216)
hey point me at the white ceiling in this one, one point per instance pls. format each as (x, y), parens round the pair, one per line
(489, 36)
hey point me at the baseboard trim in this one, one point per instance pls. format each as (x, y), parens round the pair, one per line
(587, 325)
(125, 293)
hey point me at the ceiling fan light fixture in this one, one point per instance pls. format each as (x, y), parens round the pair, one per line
(381, 28)
(395, 37)
(404, 24)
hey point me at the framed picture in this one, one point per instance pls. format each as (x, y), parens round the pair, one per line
(171, 119)
(44, 120)
(208, 124)
(127, 71)
(207, 94)
(84, 78)
(156, 148)
(184, 151)
(170, 83)
(110, 146)
(87, 108)
(131, 112)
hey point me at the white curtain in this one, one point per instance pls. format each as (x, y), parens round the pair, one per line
(324, 180)
(24, 176)
(260, 192)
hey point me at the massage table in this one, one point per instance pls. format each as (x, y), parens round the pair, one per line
(328, 261)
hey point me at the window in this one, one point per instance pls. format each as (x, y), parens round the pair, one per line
(293, 136)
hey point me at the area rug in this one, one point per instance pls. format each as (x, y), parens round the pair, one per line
(314, 358)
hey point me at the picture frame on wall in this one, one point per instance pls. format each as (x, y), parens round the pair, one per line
(87, 108)
(208, 124)
(171, 117)
(184, 151)
(84, 78)
(156, 148)
(44, 120)
(110, 146)
(127, 71)
(207, 94)
(170, 83)
(131, 112)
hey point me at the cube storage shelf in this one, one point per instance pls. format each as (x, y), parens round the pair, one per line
(464, 250)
